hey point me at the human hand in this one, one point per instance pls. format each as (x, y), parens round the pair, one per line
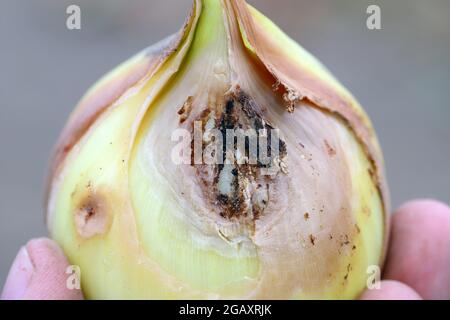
(39, 273)
(418, 259)
(417, 265)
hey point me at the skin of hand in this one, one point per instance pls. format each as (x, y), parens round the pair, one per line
(418, 261)
(417, 264)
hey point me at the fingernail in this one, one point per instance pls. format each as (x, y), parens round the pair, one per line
(19, 276)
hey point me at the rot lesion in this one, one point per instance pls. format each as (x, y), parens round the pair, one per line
(238, 182)
(91, 213)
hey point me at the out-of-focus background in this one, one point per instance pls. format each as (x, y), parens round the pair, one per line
(400, 74)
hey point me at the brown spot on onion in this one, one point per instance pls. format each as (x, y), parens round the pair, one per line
(91, 216)
(330, 150)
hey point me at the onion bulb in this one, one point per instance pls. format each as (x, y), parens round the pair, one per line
(151, 198)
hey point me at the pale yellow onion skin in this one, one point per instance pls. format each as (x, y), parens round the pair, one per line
(153, 235)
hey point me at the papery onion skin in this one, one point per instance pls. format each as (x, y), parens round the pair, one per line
(140, 226)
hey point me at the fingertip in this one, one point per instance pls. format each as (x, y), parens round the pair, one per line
(391, 290)
(419, 206)
(45, 253)
(50, 279)
(39, 273)
(19, 276)
(418, 254)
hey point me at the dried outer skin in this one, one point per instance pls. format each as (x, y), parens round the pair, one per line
(114, 244)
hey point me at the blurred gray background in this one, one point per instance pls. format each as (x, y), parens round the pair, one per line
(400, 74)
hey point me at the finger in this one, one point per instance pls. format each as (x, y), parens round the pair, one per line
(419, 254)
(391, 290)
(39, 272)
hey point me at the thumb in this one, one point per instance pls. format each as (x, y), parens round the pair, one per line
(39, 273)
